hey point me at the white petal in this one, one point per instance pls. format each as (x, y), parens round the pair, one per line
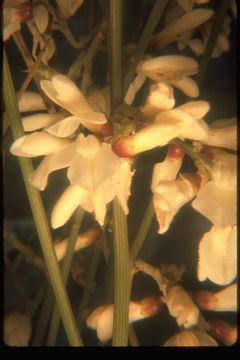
(38, 121)
(168, 67)
(50, 163)
(90, 173)
(124, 179)
(88, 146)
(217, 204)
(98, 99)
(133, 88)
(93, 118)
(99, 205)
(10, 29)
(65, 127)
(105, 324)
(41, 17)
(92, 319)
(160, 99)
(67, 204)
(186, 85)
(165, 171)
(222, 133)
(189, 127)
(218, 255)
(197, 109)
(31, 101)
(37, 144)
(227, 299)
(197, 46)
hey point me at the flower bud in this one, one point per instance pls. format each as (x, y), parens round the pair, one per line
(23, 12)
(41, 17)
(175, 153)
(223, 331)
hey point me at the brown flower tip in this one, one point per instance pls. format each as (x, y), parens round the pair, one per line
(123, 147)
(223, 331)
(23, 12)
(105, 129)
(151, 305)
(175, 153)
(205, 300)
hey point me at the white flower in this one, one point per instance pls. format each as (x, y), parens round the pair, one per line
(41, 17)
(216, 199)
(14, 16)
(17, 329)
(218, 255)
(181, 306)
(223, 300)
(191, 338)
(101, 319)
(96, 174)
(31, 101)
(184, 121)
(62, 91)
(68, 8)
(174, 70)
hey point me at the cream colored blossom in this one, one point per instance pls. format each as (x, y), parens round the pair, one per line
(216, 199)
(191, 338)
(101, 319)
(13, 15)
(41, 17)
(17, 329)
(31, 101)
(223, 133)
(218, 255)
(181, 306)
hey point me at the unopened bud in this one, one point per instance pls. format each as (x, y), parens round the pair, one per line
(205, 300)
(23, 12)
(222, 331)
(151, 305)
(175, 153)
(41, 17)
(123, 146)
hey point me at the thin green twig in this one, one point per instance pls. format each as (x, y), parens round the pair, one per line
(39, 215)
(150, 26)
(55, 320)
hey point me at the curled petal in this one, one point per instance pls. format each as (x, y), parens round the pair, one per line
(218, 255)
(38, 121)
(167, 170)
(197, 109)
(31, 101)
(50, 163)
(160, 99)
(181, 307)
(123, 179)
(133, 88)
(67, 204)
(37, 144)
(167, 68)
(191, 338)
(186, 85)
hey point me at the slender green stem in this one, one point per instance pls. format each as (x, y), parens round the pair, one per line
(121, 277)
(55, 321)
(90, 279)
(39, 215)
(220, 14)
(143, 230)
(115, 51)
(37, 299)
(43, 318)
(150, 26)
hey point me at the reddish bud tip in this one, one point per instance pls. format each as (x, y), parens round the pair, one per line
(205, 300)
(222, 331)
(151, 305)
(105, 130)
(175, 153)
(23, 12)
(123, 147)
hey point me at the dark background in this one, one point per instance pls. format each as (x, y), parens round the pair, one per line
(179, 245)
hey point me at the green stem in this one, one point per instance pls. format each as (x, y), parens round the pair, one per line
(39, 215)
(121, 277)
(143, 230)
(53, 331)
(220, 14)
(37, 299)
(150, 26)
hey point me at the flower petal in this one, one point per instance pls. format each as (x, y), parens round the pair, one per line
(65, 127)
(105, 324)
(67, 204)
(12, 27)
(216, 204)
(37, 144)
(167, 68)
(191, 338)
(31, 101)
(186, 85)
(133, 88)
(166, 170)
(99, 205)
(223, 133)
(98, 100)
(52, 162)
(197, 109)
(197, 46)
(38, 121)
(218, 255)
(88, 146)
(123, 179)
